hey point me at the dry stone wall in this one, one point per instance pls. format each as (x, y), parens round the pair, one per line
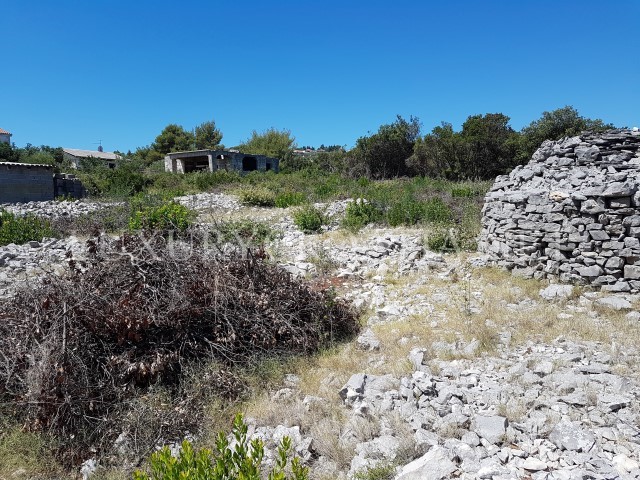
(572, 212)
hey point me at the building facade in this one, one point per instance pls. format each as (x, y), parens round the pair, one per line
(212, 160)
(76, 157)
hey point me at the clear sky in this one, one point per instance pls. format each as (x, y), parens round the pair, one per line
(76, 72)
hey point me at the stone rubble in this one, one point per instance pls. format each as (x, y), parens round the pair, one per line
(51, 209)
(572, 212)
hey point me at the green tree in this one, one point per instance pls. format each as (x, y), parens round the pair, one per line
(554, 125)
(273, 143)
(173, 138)
(491, 146)
(207, 136)
(9, 153)
(439, 153)
(384, 154)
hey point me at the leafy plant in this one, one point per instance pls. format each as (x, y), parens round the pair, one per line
(243, 461)
(246, 232)
(289, 199)
(359, 213)
(408, 211)
(379, 472)
(309, 219)
(436, 211)
(258, 197)
(22, 229)
(168, 216)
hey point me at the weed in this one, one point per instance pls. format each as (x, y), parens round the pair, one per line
(168, 216)
(257, 197)
(309, 219)
(21, 229)
(359, 213)
(242, 460)
(385, 471)
(289, 199)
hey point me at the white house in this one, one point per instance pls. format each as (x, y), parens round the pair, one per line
(76, 156)
(5, 137)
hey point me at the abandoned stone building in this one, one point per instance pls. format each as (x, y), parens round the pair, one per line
(212, 160)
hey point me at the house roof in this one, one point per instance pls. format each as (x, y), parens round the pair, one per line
(4, 132)
(92, 153)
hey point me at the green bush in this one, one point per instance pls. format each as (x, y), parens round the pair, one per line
(257, 197)
(243, 461)
(465, 191)
(246, 232)
(309, 219)
(436, 211)
(359, 213)
(408, 211)
(442, 240)
(22, 229)
(289, 199)
(168, 216)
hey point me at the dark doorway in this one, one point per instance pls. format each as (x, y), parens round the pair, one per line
(268, 166)
(196, 164)
(249, 164)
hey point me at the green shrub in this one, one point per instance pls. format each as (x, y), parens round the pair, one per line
(243, 461)
(289, 199)
(436, 211)
(22, 229)
(442, 240)
(408, 211)
(359, 213)
(380, 472)
(168, 216)
(257, 197)
(207, 180)
(246, 232)
(309, 219)
(465, 191)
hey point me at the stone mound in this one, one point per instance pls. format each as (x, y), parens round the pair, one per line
(572, 212)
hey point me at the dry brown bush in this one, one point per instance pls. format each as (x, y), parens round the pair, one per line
(78, 353)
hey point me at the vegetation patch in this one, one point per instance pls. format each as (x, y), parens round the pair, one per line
(83, 353)
(242, 460)
(309, 219)
(22, 229)
(257, 197)
(359, 213)
(167, 216)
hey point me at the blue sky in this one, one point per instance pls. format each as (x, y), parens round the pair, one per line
(76, 72)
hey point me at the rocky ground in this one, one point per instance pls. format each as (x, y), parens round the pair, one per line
(460, 372)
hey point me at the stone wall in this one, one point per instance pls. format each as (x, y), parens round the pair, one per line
(67, 185)
(572, 212)
(21, 182)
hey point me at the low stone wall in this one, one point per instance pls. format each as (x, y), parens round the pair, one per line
(21, 182)
(572, 212)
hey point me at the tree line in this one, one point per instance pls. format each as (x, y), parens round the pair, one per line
(485, 146)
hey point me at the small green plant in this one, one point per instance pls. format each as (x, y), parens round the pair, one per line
(245, 232)
(309, 219)
(167, 216)
(243, 461)
(465, 191)
(67, 197)
(436, 211)
(407, 211)
(22, 229)
(359, 213)
(258, 197)
(289, 199)
(442, 240)
(379, 472)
